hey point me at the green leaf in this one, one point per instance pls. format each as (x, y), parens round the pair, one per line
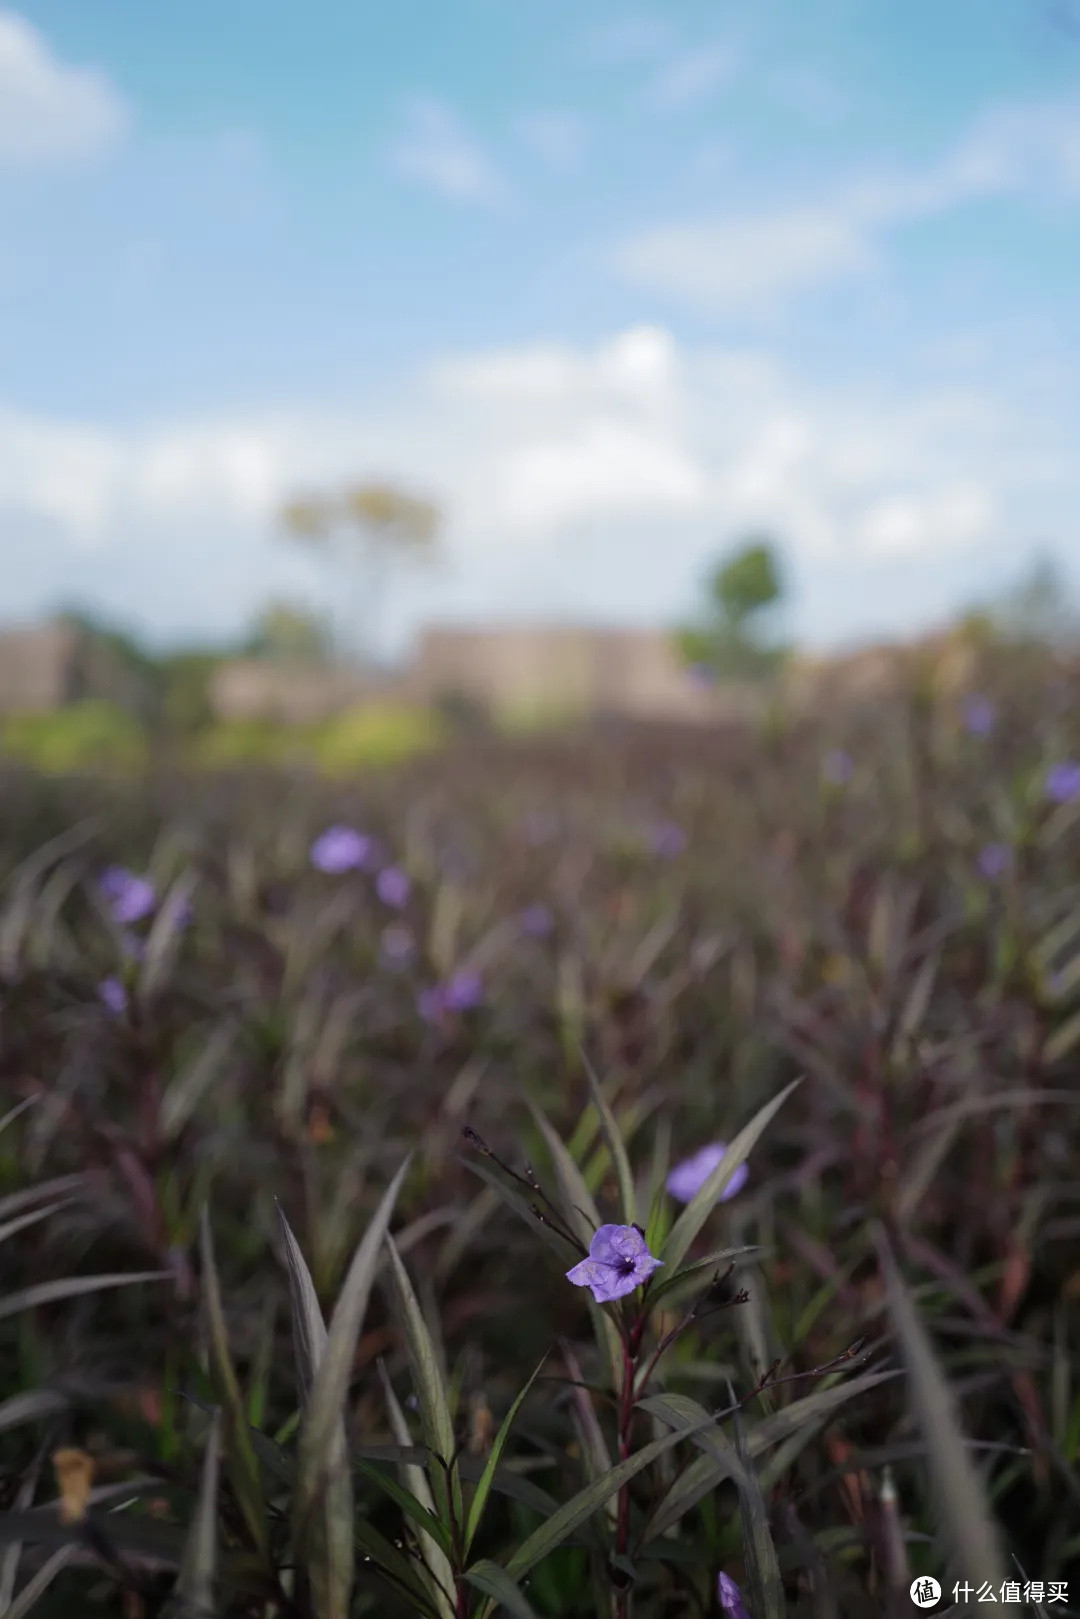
(587, 1501)
(21, 1221)
(28, 1298)
(431, 1392)
(432, 1545)
(594, 1447)
(483, 1489)
(759, 1553)
(720, 1461)
(496, 1582)
(395, 1567)
(421, 1515)
(193, 1593)
(964, 1511)
(615, 1145)
(326, 1540)
(243, 1468)
(326, 1401)
(698, 1210)
(39, 1582)
(582, 1215)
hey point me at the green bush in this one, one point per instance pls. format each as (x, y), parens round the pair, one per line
(376, 735)
(85, 736)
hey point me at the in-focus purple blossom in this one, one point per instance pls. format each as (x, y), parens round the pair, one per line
(838, 767)
(1062, 782)
(393, 887)
(129, 898)
(667, 840)
(397, 945)
(113, 995)
(730, 1597)
(339, 849)
(979, 715)
(995, 860)
(536, 921)
(687, 1178)
(619, 1260)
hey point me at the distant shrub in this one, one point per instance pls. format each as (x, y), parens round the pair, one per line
(382, 734)
(92, 735)
(235, 743)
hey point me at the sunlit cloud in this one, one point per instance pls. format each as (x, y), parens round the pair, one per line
(51, 113)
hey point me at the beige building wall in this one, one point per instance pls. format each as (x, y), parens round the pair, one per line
(285, 693)
(37, 668)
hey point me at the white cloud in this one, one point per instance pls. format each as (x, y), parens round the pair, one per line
(50, 112)
(529, 449)
(746, 265)
(749, 264)
(693, 75)
(435, 151)
(557, 137)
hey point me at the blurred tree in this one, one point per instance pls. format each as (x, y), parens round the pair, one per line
(284, 630)
(741, 589)
(370, 527)
(1038, 610)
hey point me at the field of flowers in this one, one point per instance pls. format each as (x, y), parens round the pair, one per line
(635, 1174)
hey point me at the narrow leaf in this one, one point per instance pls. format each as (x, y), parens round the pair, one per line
(483, 1489)
(430, 1389)
(194, 1589)
(495, 1582)
(698, 1210)
(615, 1145)
(326, 1401)
(243, 1468)
(964, 1512)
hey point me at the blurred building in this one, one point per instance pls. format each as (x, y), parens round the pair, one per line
(50, 665)
(284, 691)
(563, 670)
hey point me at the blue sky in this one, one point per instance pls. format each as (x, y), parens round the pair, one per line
(613, 286)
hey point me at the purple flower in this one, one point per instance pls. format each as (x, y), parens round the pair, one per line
(668, 840)
(979, 716)
(340, 848)
(994, 860)
(393, 887)
(730, 1597)
(1062, 782)
(397, 945)
(839, 767)
(129, 898)
(619, 1260)
(463, 991)
(687, 1178)
(536, 921)
(113, 995)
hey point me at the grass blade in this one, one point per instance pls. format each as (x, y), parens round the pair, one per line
(483, 1489)
(964, 1512)
(430, 1389)
(193, 1593)
(582, 1215)
(327, 1397)
(495, 1582)
(72, 1287)
(243, 1467)
(759, 1552)
(697, 1211)
(328, 1541)
(615, 1145)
